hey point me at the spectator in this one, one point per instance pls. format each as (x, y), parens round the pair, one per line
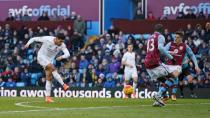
(190, 15)
(139, 15)
(10, 17)
(44, 17)
(164, 17)
(83, 64)
(180, 15)
(99, 83)
(55, 17)
(89, 77)
(79, 32)
(110, 83)
(73, 16)
(201, 16)
(167, 35)
(189, 30)
(207, 32)
(77, 77)
(112, 31)
(150, 16)
(10, 83)
(109, 45)
(26, 17)
(114, 65)
(25, 77)
(41, 82)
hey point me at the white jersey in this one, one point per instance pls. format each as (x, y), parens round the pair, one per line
(48, 49)
(129, 58)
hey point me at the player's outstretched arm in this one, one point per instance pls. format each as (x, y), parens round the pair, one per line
(35, 39)
(167, 47)
(161, 48)
(193, 58)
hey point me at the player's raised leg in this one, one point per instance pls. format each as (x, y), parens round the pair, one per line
(57, 76)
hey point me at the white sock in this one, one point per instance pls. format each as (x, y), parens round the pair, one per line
(48, 87)
(57, 77)
(134, 86)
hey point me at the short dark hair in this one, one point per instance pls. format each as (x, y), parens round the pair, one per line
(129, 44)
(158, 28)
(179, 33)
(60, 36)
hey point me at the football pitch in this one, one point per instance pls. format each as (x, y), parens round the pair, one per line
(19, 107)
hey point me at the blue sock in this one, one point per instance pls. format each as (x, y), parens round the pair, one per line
(175, 84)
(162, 89)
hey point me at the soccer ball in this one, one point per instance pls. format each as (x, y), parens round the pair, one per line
(128, 90)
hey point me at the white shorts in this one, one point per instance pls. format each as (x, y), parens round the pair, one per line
(43, 61)
(130, 73)
(163, 70)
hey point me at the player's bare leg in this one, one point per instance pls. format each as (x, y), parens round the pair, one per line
(48, 85)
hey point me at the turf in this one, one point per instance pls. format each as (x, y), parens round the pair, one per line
(101, 108)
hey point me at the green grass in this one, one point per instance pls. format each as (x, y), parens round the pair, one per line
(102, 108)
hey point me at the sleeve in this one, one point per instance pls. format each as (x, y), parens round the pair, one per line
(191, 55)
(161, 48)
(36, 39)
(167, 47)
(66, 52)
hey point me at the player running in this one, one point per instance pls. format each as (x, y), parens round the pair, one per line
(51, 46)
(154, 67)
(180, 52)
(130, 70)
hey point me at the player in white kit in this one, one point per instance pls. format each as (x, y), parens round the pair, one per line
(51, 46)
(130, 70)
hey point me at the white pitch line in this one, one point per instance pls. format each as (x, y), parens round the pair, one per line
(21, 104)
(63, 109)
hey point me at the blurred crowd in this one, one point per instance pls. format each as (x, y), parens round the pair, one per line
(99, 64)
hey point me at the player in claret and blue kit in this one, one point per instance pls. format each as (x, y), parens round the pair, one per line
(181, 53)
(154, 67)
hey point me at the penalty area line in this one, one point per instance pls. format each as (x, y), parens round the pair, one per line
(45, 109)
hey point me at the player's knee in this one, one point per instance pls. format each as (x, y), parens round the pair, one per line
(50, 68)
